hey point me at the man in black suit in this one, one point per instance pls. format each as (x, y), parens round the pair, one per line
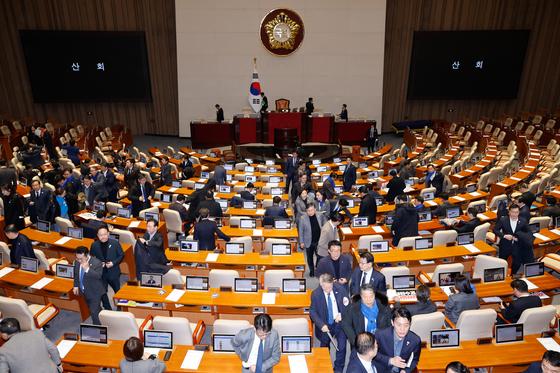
(93, 192)
(522, 300)
(441, 210)
(93, 224)
(154, 243)
(397, 344)
(32, 156)
(396, 186)
(110, 253)
(552, 209)
(366, 274)
(360, 316)
(130, 172)
(40, 203)
(524, 208)
(220, 175)
(371, 138)
(247, 194)
(337, 264)
(140, 195)
(219, 113)
(328, 304)
(550, 363)
(186, 166)
(405, 222)
(88, 273)
(344, 113)
(507, 229)
(205, 230)
(349, 176)
(362, 357)
(109, 181)
(434, 179)
(20, 245)
(165, 171)
(470, 224)
(309, 107)
(213, 207)
(264, 103)
(291, 169)
(368, 207)
(276, 211)
(179, 206)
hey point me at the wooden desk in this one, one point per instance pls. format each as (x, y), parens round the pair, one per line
(84, 354)
(266, 233)
(236, 211)
(431, 226)
(379, 153)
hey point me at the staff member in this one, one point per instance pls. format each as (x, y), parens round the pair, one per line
(344, 113)
(110, 253)
(258, 347)
(396, 186)
(349, 176)
(219, 113)
(20, 245)
(368, 206)
(88, 281)
(40, 202)
(434, 179)
(371, 138)
(140, 195)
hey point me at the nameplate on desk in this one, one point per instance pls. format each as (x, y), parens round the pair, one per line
(175, 295)
(156, 204)
(460, 199)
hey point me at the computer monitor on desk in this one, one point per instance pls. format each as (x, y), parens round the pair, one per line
(93, 334)
(152, 215)
(123, 212)
(29, 264)
(509, 333)
(188, 246)
(158, 339)
(281, 249)
(453, 212)
(296, 344)
(224, 189)
(533, 269)
(43, 226)
(236, 248)
(423, 243)
(359, 221)
(65, 270)
(151, 280)
(424, 216)
(444, 338)
(198, 283)
(465, 238)
(294, 285)
(247, 224)
(77, 233)
(246, 285)
(222, 343)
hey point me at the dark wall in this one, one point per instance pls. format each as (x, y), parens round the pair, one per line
(155, 17)
(540, 83)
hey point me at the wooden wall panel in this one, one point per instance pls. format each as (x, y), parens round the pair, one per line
(540, 83)
(155, 17)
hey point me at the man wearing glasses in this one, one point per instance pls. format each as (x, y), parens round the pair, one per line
(258, 347)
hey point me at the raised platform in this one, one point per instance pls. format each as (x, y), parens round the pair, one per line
(263, 152)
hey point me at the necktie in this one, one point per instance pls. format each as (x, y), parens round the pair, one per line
(330, 310)
(258, 367)
(82, 272)
(363, 278)
(143, 195)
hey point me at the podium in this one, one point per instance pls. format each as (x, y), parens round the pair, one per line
(321, 128)
(245, 127)
(205, 135)
(284, 120)
(352, 132)
(285, 138)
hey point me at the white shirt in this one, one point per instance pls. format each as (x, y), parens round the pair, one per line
(334, 305)
(367, 365)
(254, 352)
(367, 275)
(513, 224)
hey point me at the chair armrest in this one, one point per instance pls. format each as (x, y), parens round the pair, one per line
(422, 276)
(146, 324)
(198, 332)
(449, 322)
(37, 316)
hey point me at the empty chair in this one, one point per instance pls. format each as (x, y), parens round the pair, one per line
(544, 221)
(537, 320)
(483, 262)
(423, 324)
(173, 223)
(63, 224)
(267, 249)
(390, 272)
(123, 325)
(222, 277)
(440, 268)
(273, 277)
(44, 263)
(224, 326)
(442, 238)
(493, 205)
(407, 241)
(292, 326)
(364, 241)
(247, 242)
(30, 317)
(474, 324)
(113, 207)
(427, 191)
(185, 333)
(476, 203)
(234, 220)
(173, 277)
(551, 261)
(483, 181)
(5, 252)
(142, 213)
(125, 237)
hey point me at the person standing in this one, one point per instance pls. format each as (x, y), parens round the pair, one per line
(205, 231)
(166, 176)
(14, 208)
(405, 222)
(362, 358)
(40, 203)
(88, 281)
(107, 177)
(371, 138)
(434, 179)
(140, 195)
(309, 107)
(264, 103)
(291, 166)
(110, 253)
(337, 264)
(219, 113)
(329, 232)
(20, 245)
(366, 274)
(309, 232)
(344, 113)
(395, 186)
(507, 230)
(368, 206)
(349, 175)
(131, 173)
(187, 168)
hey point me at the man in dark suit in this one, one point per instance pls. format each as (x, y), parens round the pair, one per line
(309, 107)
(32, 156)
(220, 175)
(93, 192)
(140, 195)
(371, 138)
(179, 206)
(396, 186)
(275, 211)
(186, 166)
(93, 224)
(328, 304)
(110, 253)
(366, 274)
(552, 209)
(469, 225)
(154, 242)
(291, 167)
(205, 230)
(88, 281)
(434, 179)
(368, 207)
(20, 245)
(130, 172)
(349, 176)
(264, 103)
(550, 363)
(328, 186)
(165, 172)
(40, 203)
(309, 233)
(247, 194)
(397, 344)
(344, 113)
(360, 316)
(522, 300)
(362, 358)
(213, 207)
(405, 222)
(441, 210)
(109, 181)
(219, 113)
(507, 229)
(524, 208)
(337, 264)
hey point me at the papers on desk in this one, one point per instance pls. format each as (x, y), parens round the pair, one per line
(260, 211)
(192, 359)
(447, 290)
(555, 231)
(502, 185)
(134, 224)
(475, 194)
(148, 351)
(491, 300)
(482, 217)
(86, 215)
(64, 347)
(62, 241)
(298, 364)
(407, 189)
(550, 344)
(175, 295)
(212, 257)
(540, 294)
(378, 229)
(346, 230)
(272, 184)
(541, 236)
(268, 298)
(431, 203)
(156, 204)
(530, 285)
(472, 248)
(460, 199)
(515, 178)
(41, 283)
(470, 171)
(257, 232)
(172, 189)
(204, 157)
(4, 271)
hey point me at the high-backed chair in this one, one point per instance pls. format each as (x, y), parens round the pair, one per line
(5, 252)
(113, 207)
(123, 325)
(224, 326)
(173, 223)
(292, 326)
(185, 333)
(544, 221)
(270, 241)
(483, 262)
(440, 268)
(390, 272)
(63, 224)
(474, 324)
(442, 238)
(247, 242)
(407, 241)
(481, 231)
(125, 237)
(537, 320)
(273, 277)
(364, 241)
(173, 277)
(282, 104)
(30, 316)
(422, 325)
(551, 261)
(222, 277)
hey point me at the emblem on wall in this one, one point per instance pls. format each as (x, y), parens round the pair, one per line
(282, 31)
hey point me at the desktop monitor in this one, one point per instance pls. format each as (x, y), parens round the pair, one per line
(158, 339)
(93, 333)
(269, 162)
(228, 167)
(166, 198)
(401, 282)
(43, 226)
(271, 170)
(99, 206)
(453, 212)
(188, 246)
(444, 338)
(533, 269)
(249, 169)
(281, 249)
(250, 205)
(389, 219)
(535, 227)
(247, 224)
(249, 161)
(151, 280)
(246, 285)
(428, 196)
(152, 215)
(205, 175)
(494, 274)
(409, 182)
(235, 248)
(379, 201)
(321, 168)
(316, 162)
(224, 189)
(276, 191)
(250, 179)
(282, 224)
(199, 186)
(336, 160)
(229, 177)
(471, 188)
(465, 238)
(197, 283)
(359, 221)
(294, 285)
(342, 168)
(480, 208)
(296, 344)
(65, 270)
(176, 184)
(29, 264)
(447, 278)
(424, 216)
(123, 213)
(222, 343)
(77, 233)
(115, 236)
(338, 189)
(423, 243)
(509, 333)
(223, 204)
(351, 203)
(374, 174)
(362, 165)
(275, 179)
(379, 246)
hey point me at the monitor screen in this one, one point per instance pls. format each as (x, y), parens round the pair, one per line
(374, 174)
(225, 189)
(43, 226)
(99, 206)
(336, 160)
(77, 233)
(275, 179)
(65, 270)
(222, 343)
(250, 205)
(235, 248)
(389, 219)
(494, 274)
(176, 184)
(404, 282)
(423, 243)
(321, 168)
(205, 175)
(223, 203)
(98, 66)
(316, 162)
(453, 212)
(249, 169)
(197, 283)
(467, 64)
(166, 198)
(359, 221)
(93, 333)
(480, 208)
(114, 236)
(410, 182)
(535, 227)
(465, 238)
(424, 216)
(379, 201)
(294, 285)
(250, 178)
(228, 177)
(296, 344)
(509, 333)
(276, 191)
(428, 196)
(282, 224)
(228, 167)
(188, 246)
(533, 269)
(246, 285)
(269, 162)
(247, 223)
(351, 203)
(471, 188)
(123, 213)
(341, 168)
(29, 264)
(151, 280)
(447, 278)
(199, 186)
(281, 249)
(379, 246)
(158, 339)
(152, 215)
(444, 338)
